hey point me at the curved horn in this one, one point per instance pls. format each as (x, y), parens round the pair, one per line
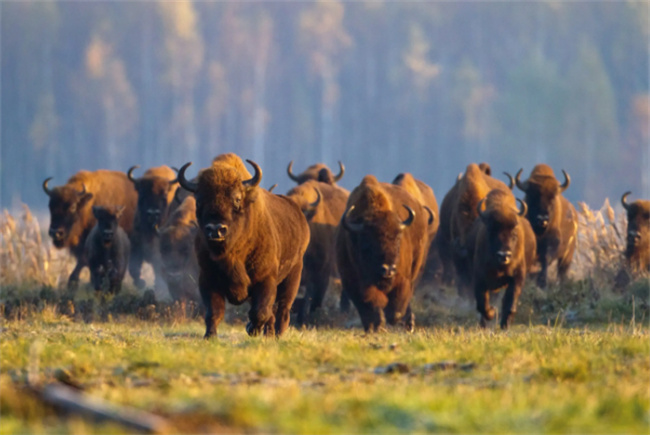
(273, 187)
(45, 188)
(185, 184)
(129, 173)
(175, 180)
(432, 215)
(523, 186)
(293, 177)
(523, 208)
(626, 206)
(567, 181)
(409, 220)
(341, 172)
(353, 228)
(314, 204)
(83, 190)
(460, 175)
(511, 180)
(255, 181)
(479, 209)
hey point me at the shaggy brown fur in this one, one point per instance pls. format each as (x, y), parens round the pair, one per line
(457, 214)
(317, 172)
(107, 249)
(156, 190)
(504, 252)
(180, 268)
(378, 257)
(250, 245)
(553, 219)
(637, 249)
(320, 259)
(71, 210)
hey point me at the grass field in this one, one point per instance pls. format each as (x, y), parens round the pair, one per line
(577, 359)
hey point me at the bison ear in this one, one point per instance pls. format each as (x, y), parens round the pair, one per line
(119, 211)
(84, 199)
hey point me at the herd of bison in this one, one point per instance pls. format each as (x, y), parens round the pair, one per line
(221, 237)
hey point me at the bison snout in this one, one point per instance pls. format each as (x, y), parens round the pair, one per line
(633, 237)
(388, 270)
(56, 234)
(542, 220)
(107, 235)
(504, 257)
(216, 231)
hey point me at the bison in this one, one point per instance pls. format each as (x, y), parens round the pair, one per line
(250, 245)
(380, 252)
(156, 189)
(425, 196)
(179, 266)
(107, 249)
(316, 172)
(71, 211)
(503, 253)
(553, 218)
(323, 205)
(637, 249)
(457, 215)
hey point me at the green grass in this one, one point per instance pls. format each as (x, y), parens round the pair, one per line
(530, 379)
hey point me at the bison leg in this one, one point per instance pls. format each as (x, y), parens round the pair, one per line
(314, 295)
(510, 301)
(483, 304)
(261, 318)
(564, 263)
(409, 320)
(73, 280)
(135, 264)
(344, 302)
(287, 291)
(215, 305)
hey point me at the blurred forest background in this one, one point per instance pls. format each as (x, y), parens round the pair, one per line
(425, 87)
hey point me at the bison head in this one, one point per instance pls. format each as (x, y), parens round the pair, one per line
(376, 238)
(542, 194)
(107, 222)
(502, 227)
(638, 224)
(316, 172)
(66, 206)
(153, 199)
(223, 198)
(308, 198)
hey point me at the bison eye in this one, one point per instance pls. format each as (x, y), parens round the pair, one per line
(236, 201)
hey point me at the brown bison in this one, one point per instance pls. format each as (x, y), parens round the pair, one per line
(250, 245)
(380, 252)
(323, 205)
(457, 215)
(107, 249)
(425, 196)
(71, 216)
(316, 172)
(503, 253)
(637, 249)
(180, 268)
(156, 189)
(553, 218)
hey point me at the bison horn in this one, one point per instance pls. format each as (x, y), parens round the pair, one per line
(341, 172)
(273, 187)
(409, 220)
(185, 184)
(129, 173)
(45, 188)
(460, 175)
(353, 228)
(255, 181)
(479, 209)
(523, 208)
(626, 206)
(175, 180)
(523, 186)
(567, 181)
(511, 181)
(432, 216)
(293, 177)
(83, 189)
(314, 204)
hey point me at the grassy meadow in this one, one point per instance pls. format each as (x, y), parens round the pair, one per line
(577, 359)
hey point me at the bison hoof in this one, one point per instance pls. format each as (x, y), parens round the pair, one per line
(483, 322)
(251, 330)
(209, 334)
(410, 324)
(541, 281)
